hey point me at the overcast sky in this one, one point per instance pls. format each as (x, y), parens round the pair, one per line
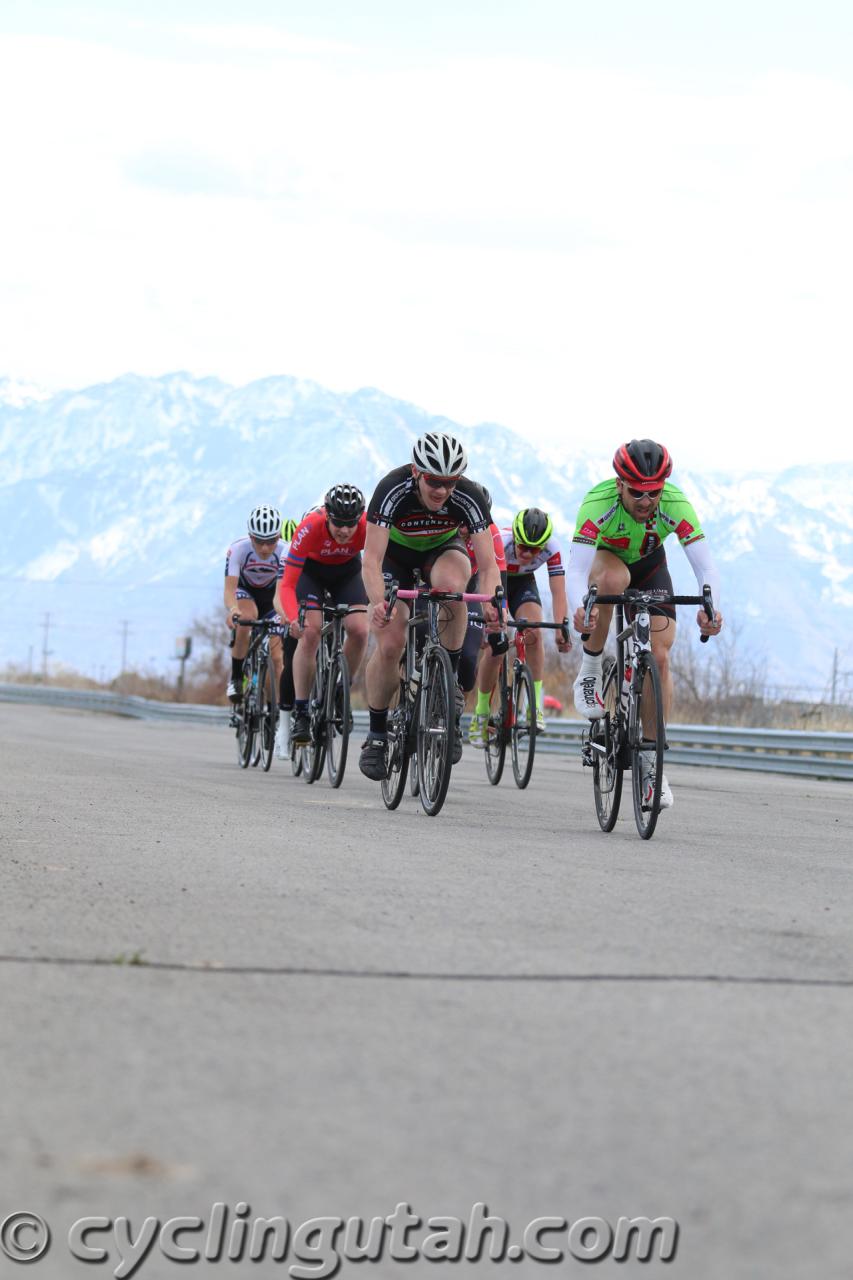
(585, 221)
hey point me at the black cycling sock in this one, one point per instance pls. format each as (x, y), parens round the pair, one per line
(379, 723)
(454, 655)
(300, 705)
(236, 669)
(593, 653)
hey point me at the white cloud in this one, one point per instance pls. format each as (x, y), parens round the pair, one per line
(571, 252)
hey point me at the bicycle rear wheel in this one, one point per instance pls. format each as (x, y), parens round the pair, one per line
(647, 754)
(337, 719)
(267, 712)
(397, 749)
(523, 731)
(604, 742)
(436, 727)
(497, 732)
(314, 755)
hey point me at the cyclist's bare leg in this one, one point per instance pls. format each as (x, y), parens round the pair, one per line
(663, 638)
(612, 577)
(451, 572)
(355, 642)
(534, 648)
(277, 656)
(382, 673)
(305, 658)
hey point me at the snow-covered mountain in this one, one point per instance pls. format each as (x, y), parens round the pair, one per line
(119, 501)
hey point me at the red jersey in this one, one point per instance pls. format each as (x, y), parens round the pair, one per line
(497, 543)
(312, 542)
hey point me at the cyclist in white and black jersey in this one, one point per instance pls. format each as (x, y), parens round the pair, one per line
(253, 566)
(530, 544)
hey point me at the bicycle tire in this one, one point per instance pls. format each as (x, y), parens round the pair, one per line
(314, 754)
(647, 807)
(436, 727)
(605, 735)
(296, 761)
(523, 730)
(497, 731)
(337, 719)
(414, 780)
(245, 727)
(397, 749)
(267, 712)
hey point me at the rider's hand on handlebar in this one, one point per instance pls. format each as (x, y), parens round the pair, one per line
(707, 627)
(563, 644)
(380, 617)
(295, 630)
(578, 620)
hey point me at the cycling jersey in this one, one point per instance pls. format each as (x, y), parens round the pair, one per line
(396, 506)
(498, 545)
(550, 554)
(253, 573)
(313, 545)
(604, 522)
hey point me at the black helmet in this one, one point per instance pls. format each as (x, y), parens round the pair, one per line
(644, 464)
(344, 503)
(532, 527)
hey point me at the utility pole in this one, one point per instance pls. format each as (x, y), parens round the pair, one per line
(45, 651)
(834, 676)
(124, 626)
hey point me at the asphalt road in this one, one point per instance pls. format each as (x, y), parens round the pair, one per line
(229, 987)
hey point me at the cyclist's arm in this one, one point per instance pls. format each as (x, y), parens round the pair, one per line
(581, 557)
(230, 597)
(559, 600)
(702, 563)
(375, 545)
(285, 595)
(484, 550)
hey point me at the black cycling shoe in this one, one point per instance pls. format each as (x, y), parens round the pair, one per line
(456, 751)
(371, 762)
(300, 729)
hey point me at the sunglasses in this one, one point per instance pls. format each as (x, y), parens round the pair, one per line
(342, 524)
(644, 493)
(264, 542)
(437, 482)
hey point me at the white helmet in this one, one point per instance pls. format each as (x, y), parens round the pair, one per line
(439, 455)
(265, 522)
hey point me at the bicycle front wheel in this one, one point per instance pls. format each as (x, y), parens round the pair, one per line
(267, 713)
(337, 719)
(647, 743)
(604, 742)
(314, 755)
(497, 730)
(523, 731)
(436, 726)
(246, 726)
(397, 751)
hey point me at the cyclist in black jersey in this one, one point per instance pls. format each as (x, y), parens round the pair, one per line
(413, 522)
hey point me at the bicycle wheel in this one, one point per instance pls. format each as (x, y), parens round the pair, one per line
(397, 751)
(436, 726)
(296, 761)
(497, 732)
(604, 742)
(647, 755)
(314, 755)
(414, 780)
(267, 712)
(337, 719)
(523, 730)
(246, 725)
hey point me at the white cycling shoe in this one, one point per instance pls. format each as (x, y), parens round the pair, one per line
(588, 691)
(666, 800)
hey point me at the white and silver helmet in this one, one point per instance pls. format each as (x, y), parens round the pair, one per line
(265, 522)
(439, 455)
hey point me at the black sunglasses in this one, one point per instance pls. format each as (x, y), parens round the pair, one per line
(264, 542)
(344, 524)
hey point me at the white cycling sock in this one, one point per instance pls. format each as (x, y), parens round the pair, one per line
(591, 664)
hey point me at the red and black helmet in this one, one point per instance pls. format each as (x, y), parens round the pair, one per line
(643, 464)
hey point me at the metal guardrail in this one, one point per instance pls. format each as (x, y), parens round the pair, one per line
(820, 755)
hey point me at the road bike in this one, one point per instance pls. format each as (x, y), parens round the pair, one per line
(329, 704)
(512, 722)
(255, 717)
(631, 735)
(422, 715)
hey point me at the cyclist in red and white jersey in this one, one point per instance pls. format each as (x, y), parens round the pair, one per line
(325, 555)
(530, 544)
